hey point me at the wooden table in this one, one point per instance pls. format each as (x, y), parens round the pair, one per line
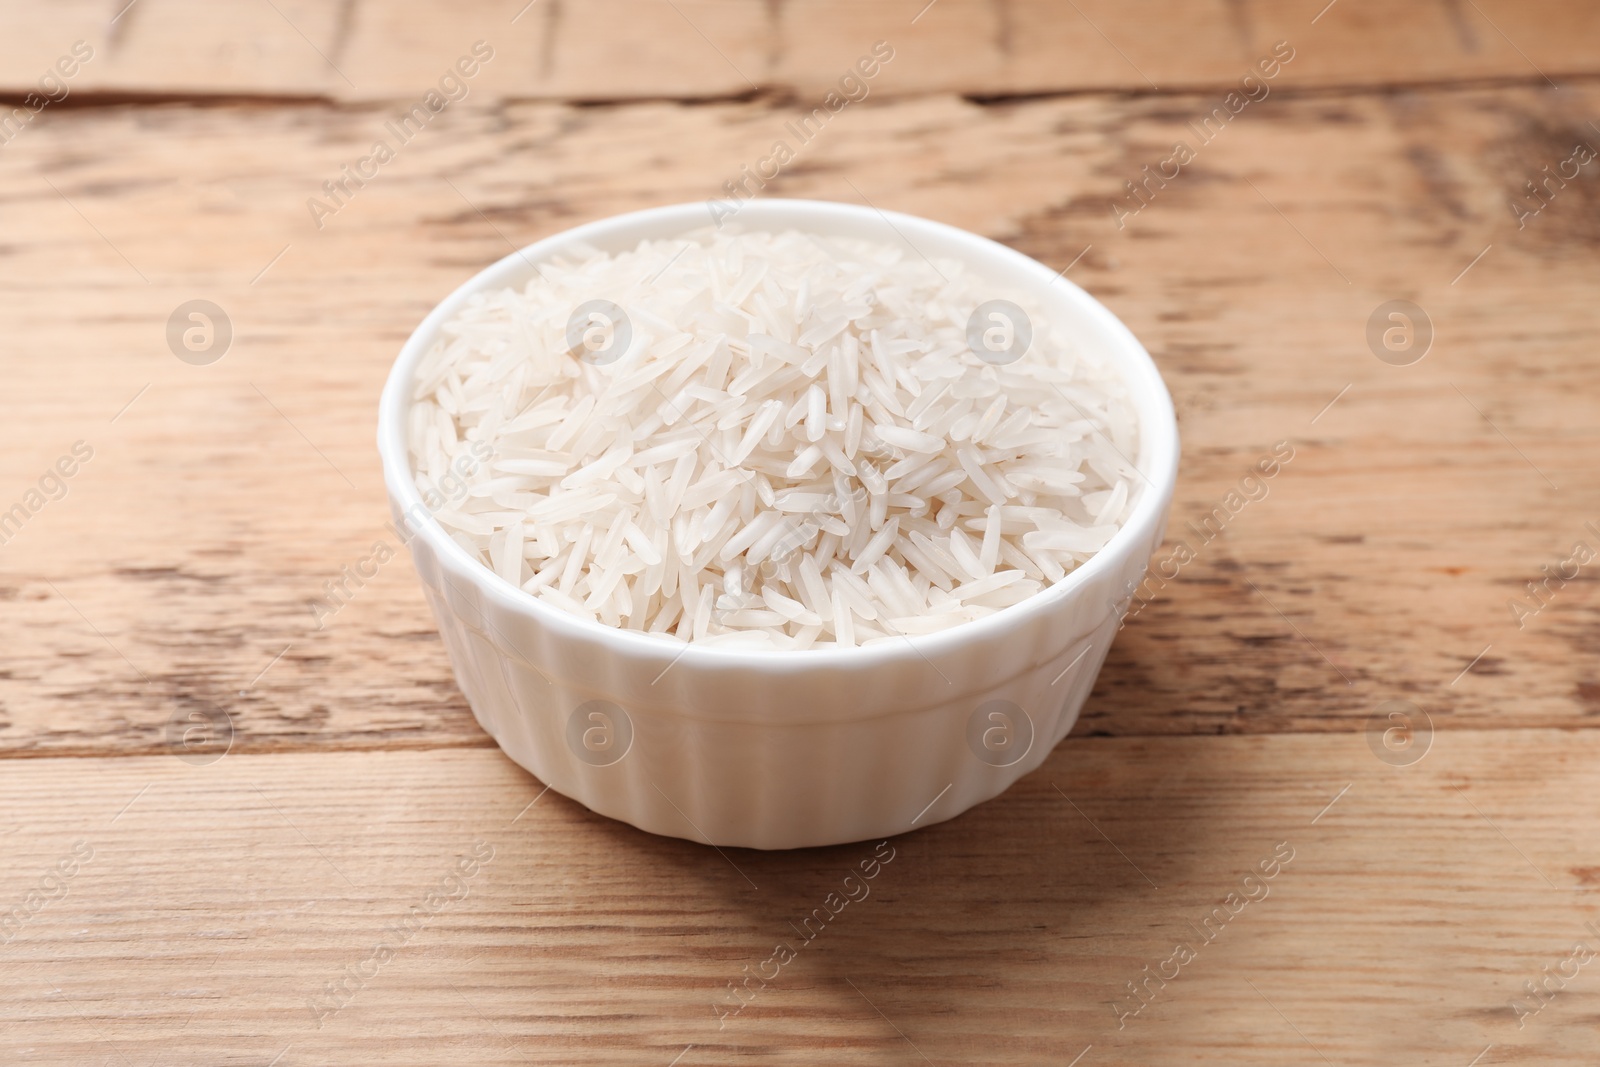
(292, 902)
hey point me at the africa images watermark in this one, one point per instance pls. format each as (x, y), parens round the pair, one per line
(1253, 887)
(452, 888)
(50, 887)
(52, 486)
(451, 489)
(1252, 89)
(1556, 576)
(853, 88)
(1137, 593)
(1553, 978)
(352, 177)
(853, 887)
(1543, 194)
(51, 88)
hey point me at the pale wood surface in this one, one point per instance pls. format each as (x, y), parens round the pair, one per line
(626, 49)
(223, 897)
(195, 539)
(175, 575)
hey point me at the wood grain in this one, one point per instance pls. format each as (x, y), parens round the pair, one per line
(624, 49)
(160, 911)
(218, 900)
(182, 563)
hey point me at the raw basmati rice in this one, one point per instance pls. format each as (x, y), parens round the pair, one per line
(784, 441)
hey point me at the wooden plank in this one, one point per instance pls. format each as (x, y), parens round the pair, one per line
(625, 49)
(178, 572)
(175, 47)
(213, 906)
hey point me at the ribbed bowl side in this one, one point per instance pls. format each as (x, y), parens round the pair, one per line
(762, 759)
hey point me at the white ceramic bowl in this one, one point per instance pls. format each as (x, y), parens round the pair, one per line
(773, 749)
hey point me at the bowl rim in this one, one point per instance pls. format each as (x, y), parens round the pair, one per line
(1157, 460)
